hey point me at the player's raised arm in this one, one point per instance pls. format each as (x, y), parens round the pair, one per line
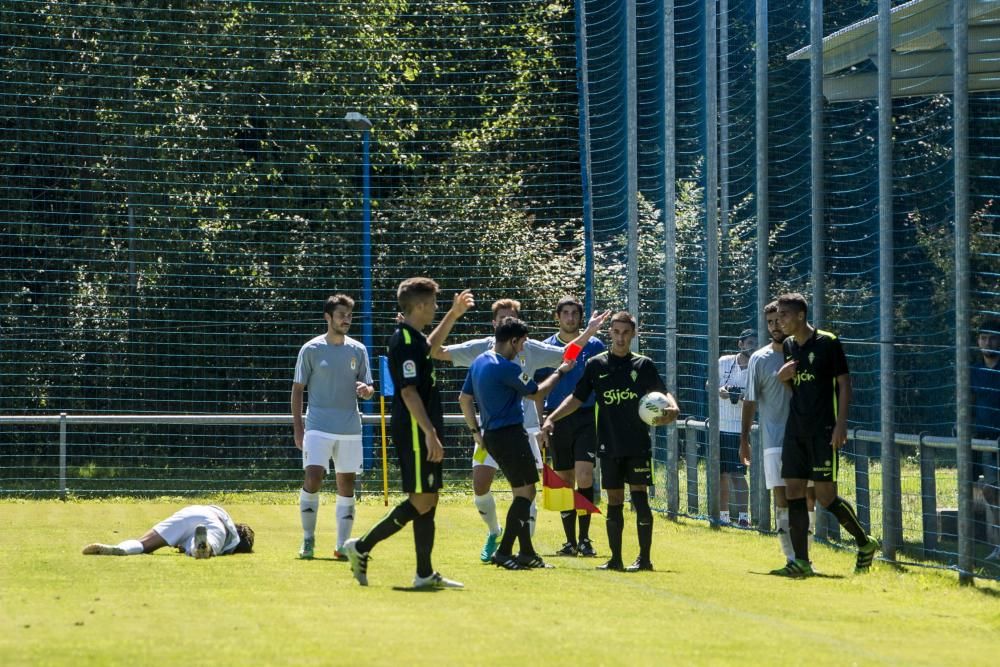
(462, 302)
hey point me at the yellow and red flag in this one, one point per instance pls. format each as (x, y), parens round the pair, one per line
(559, 496)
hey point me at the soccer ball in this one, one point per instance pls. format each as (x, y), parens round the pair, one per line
(651, 406)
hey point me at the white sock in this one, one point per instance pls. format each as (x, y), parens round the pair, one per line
(781, 516)
(131, 547)
(534, 515)
(812, 528)
(724, 516)
(744, 518)
(487, 507)
(308, 510)
(345, 519)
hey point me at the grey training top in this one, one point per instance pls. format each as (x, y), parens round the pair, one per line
(534, 357)
(329, 373)
(771, 394)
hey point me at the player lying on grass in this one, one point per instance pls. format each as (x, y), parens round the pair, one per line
(200, 531)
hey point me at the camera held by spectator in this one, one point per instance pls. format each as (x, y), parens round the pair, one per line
(735, 393)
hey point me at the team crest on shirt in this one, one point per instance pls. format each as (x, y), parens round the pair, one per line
(409, 369)
(635, 375)
(812, 357)
(525, 379)
(354, 363)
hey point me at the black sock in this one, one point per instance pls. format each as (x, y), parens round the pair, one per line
(842, 509)
(643, 523)
(517, 518)
(615, 523)
(587, 493)
(569, 525)
(798, 527)
(524, 538)
(388, 525)
(423, 542)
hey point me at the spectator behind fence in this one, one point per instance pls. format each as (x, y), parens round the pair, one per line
(985, 385)
(732, 472)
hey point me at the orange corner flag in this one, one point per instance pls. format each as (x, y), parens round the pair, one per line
(560, 497)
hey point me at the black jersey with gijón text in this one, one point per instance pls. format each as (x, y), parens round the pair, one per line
(410, 365)
(820, 360)
(618, 383)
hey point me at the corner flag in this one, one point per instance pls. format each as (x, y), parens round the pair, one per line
(560, 497)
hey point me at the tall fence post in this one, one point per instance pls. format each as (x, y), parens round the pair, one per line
(862, 485)
(62, 455)
(928, 498)
(712, 252)
(761, 510)
(670, 246)
(691, 464)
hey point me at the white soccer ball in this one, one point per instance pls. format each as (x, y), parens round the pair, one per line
(651, 406)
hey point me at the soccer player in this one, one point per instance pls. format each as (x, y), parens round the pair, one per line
(200, 531)
(619, 379)
(574, 440)
(334, 368)
(985, 381)
(732, 472)
(816, 370)
(499, 385)
(766, 393)
(416, 428)
(533, 357)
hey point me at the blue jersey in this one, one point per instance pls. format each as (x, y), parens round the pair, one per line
(986, 400)
(498, 386)
(569, 381)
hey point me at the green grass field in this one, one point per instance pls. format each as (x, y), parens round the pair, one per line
(709, 602)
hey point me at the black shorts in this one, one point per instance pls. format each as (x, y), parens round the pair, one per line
(510, 448)
(419, 475)
(729, 454)
(985, 465)
(617, 472)
(574, 439)
(809, 457)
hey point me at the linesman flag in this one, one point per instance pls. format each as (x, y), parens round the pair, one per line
(559, 496)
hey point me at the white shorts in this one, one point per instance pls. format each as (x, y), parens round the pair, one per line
(480, 457)
(318, 447)
(177, 530)
(772, 469)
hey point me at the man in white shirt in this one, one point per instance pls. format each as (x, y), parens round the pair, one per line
(732, 383)
(200, 531)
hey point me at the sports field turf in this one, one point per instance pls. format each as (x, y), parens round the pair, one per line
(709, 602)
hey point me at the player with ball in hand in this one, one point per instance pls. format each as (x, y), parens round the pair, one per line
(620, 378)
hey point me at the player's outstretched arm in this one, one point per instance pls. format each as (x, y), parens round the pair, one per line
(548, 384)
(462, 302)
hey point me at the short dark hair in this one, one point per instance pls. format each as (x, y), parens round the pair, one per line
(337, 300)
(990, 325)
(795, 300)
(509, 329)
(624, 316)
(570, 301)
(246, 539)
(414, 290)
(771, 308)
(506, 304)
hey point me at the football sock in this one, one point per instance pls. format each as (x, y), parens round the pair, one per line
(423, 542)
(569, 525)
(524, 539)
(842, 509)
(532, 515)
(308, 509)
(388, 525)
(345, 519)
(131, 547)
(781, 517)
(615, 523)
(587, 493)
(517, 518)
(798, 527)
(643, 523)
(724, 516)
(487, 507)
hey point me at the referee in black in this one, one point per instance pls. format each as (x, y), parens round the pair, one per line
(816, 371)
(620, 379)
